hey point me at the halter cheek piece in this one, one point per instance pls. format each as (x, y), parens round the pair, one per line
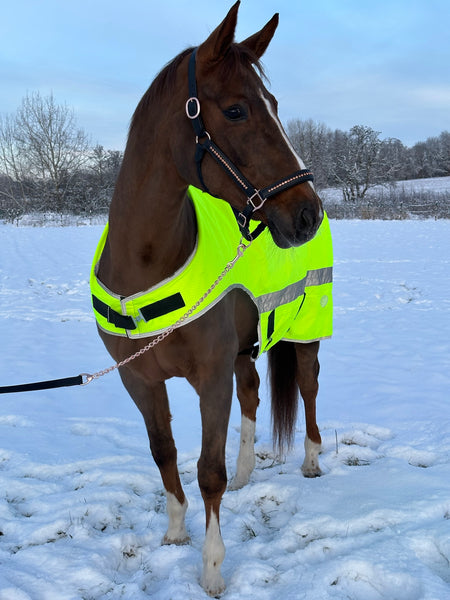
(255, 198)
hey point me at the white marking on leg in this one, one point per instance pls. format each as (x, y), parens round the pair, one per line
(213, 555)
(310, 467)
(246, 458)
(176, 532)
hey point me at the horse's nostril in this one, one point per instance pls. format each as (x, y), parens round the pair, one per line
(307, 219)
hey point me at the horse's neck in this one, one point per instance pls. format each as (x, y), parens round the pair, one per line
(152, 232)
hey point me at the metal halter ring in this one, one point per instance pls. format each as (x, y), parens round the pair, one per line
(197, 107)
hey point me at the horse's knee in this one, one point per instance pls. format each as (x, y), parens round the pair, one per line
(163, 451)
(212, 479)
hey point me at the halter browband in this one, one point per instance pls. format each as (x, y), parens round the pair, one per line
(255, 198)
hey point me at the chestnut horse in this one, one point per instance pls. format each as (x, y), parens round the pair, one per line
(152, 233)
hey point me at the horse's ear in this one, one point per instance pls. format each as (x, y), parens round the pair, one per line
(220, 39)
(258, 42)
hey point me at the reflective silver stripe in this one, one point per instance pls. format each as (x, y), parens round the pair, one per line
(272, 300)
(319, 276)
(269, 302)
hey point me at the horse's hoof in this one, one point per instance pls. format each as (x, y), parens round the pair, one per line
(237, 484)
(216, 590)
(166, 541)
(311, 472)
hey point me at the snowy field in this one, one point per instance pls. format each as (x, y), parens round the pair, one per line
(436, 185)
(82, 509)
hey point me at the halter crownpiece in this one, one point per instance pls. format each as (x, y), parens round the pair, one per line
(255, 198)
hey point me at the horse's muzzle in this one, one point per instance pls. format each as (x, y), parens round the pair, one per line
(288, 232)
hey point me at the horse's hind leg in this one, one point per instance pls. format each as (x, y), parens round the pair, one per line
(152, 401)
(307, 379)
(247, 385)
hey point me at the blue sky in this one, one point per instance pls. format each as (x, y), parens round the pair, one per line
(381, 63)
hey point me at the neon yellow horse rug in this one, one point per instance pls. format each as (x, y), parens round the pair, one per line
(291, 288)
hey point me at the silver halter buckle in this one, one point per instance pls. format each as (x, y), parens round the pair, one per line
(262, 200)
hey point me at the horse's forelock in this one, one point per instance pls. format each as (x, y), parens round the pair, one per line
(236, 57)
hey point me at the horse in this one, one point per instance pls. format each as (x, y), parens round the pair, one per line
(153, 233)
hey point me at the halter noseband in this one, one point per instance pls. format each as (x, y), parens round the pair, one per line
(255, 198)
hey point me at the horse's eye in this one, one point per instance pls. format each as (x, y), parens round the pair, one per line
(235, 113)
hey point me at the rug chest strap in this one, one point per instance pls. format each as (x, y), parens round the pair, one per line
(150, 311)
(112, 316)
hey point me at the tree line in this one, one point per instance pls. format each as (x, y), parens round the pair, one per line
(48, 164)
(358, 160)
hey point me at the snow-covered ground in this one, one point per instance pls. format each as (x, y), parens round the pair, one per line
(82, 510)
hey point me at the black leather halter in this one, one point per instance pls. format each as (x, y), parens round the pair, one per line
(255, 198)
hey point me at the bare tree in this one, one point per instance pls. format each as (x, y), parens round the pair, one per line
(444, 140)
(104, 166)
(97, 180)
(43, 145)
(356, 167)
(392, 161)
(311, 141)
(13, 197)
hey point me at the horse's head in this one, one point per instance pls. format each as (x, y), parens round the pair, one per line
(239, 119)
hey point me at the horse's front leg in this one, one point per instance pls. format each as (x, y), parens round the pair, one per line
(247, 385)
(152, 401)
(215, 403)
(307, 378)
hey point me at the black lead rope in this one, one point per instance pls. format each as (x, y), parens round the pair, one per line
(44, 385)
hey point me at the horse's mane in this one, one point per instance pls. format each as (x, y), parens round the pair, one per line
(236, 57)
(163, 83)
